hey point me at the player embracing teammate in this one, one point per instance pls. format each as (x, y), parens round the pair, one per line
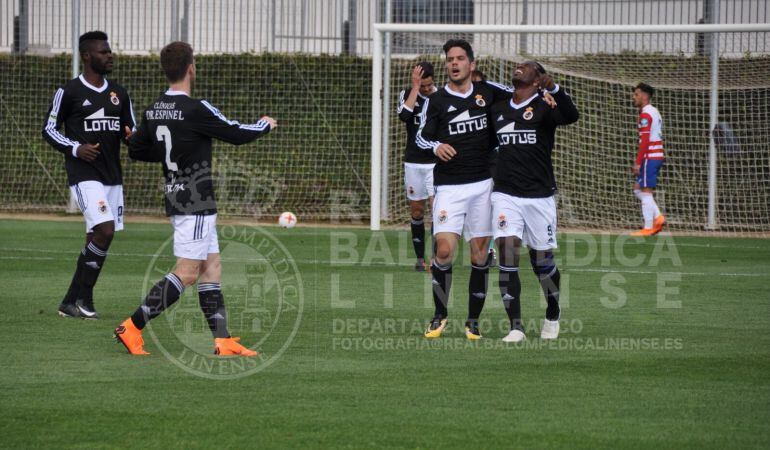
(457, 125)
(454, 125)
(523, 203)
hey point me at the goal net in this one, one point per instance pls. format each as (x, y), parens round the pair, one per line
(593, 157)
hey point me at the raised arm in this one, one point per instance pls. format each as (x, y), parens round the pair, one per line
(565, 112)
(406, 102)
(214, 124)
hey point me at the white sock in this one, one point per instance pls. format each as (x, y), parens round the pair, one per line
(648, 209)
(655, 210)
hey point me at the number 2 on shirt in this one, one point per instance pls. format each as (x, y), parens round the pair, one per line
(164, 135)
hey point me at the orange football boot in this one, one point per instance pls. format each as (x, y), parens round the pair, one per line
(230, 346)
(131, 337)
(658, 223)
(644, 232)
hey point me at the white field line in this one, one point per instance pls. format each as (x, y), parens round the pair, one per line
(369, 264)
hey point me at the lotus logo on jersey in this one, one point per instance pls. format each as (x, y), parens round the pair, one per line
(442, 216)
(501, 222)
(99, 122)
(480, 101)
(464, 123)
(510, 135)
(114, 98)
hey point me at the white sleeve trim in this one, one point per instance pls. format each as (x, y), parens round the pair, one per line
(500, 86)
(259, 126)
(419, 140)
(50, 127)
(75, 150)
(554, 90)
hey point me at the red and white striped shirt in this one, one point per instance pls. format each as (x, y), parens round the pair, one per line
(650, 127)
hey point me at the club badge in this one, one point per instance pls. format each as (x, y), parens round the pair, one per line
(411, 190)
(528, 113)
(501, 222)
(114, 98)
(442, 216)
(102, 206)
(480, 100)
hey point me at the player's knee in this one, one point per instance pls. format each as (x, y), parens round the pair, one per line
(443, 251)
(508, 251)
(542, 261)
(188, 272)
(417, 210)
(213, 273)
(480, 255)
(103, 234)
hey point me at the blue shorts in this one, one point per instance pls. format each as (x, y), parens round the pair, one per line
(648, 173)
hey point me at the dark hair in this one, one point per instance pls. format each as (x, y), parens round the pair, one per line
(480, 74)
(646, 88)
(462, 43)
(86, 39)
(427, 69)
(174, 59)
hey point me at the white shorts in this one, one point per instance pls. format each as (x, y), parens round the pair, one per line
(99, 203)
(533, 220)
(195, 237)
(463, 209)
(418, 179)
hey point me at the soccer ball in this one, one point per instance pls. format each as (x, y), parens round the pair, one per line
(287, 220)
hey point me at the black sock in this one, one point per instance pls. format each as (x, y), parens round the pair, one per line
(213, 306)
(90, 267)
(442, 282)
(510, 290)
(550, 285)
(72, 293)
(418, 237)
(477, 291)
(162, 295)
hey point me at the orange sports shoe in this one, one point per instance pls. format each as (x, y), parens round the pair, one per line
(131, 337)
(658, 223)
(644, 232)
(230, 346)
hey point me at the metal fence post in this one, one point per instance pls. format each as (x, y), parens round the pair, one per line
(386, 115)
(711, 222)
(75, 23)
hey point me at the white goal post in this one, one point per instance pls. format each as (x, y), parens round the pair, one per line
(383, 31)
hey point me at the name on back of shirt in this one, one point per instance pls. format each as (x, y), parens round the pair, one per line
(164, 111)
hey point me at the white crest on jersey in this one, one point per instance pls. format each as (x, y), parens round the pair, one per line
(451, 108)
(86, 103)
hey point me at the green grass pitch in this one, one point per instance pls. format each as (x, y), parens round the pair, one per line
(665, 344)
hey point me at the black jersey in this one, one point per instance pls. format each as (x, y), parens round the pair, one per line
(177, 131)
(462, 121)
(91, 115)
(525, 133)
(414, 154)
